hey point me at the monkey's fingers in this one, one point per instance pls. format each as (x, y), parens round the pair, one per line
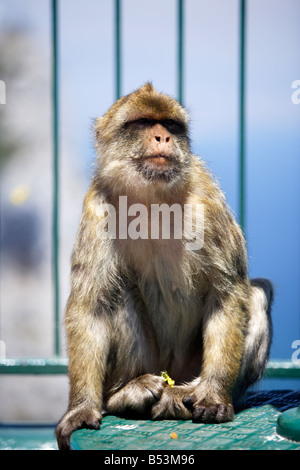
(170, 405)
(188, 402)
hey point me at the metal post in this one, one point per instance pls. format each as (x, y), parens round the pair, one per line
(242, 158)
(118, 47)
(180, 49)
(55, 220)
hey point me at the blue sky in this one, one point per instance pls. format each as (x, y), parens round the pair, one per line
(211, 96)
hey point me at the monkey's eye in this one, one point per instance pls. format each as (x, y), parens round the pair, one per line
(143, 121)
(140, 123)
(175, 127)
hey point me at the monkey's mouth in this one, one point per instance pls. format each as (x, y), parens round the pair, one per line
(159, 167)
(159, 160)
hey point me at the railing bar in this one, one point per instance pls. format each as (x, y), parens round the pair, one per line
(242, 156)
(285, 369)
(55, 215)
(180, 49)
(36, 366)
(118, 48)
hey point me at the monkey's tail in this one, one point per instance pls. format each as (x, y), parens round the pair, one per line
(258, 337)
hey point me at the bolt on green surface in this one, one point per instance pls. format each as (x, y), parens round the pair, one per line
(288, 424)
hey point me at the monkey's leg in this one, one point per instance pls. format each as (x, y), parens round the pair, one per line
(258, 338)
(137, 397)
(223, 342)
(88, 350)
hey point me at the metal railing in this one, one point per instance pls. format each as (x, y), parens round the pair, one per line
(58, 364)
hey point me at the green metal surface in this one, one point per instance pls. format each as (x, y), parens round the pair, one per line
(288, 424)
(254, 428)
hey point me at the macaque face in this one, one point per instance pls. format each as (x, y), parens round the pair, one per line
(159, 155)
(143, 139)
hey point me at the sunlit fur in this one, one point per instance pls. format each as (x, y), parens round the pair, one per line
(138, 307)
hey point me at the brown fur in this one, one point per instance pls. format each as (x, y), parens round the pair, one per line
(141, 306)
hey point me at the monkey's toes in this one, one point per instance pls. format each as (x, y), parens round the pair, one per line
(214, 413)
(91, 424)
(73, 420)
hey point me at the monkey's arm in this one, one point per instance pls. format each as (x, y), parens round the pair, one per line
(223, 336)
(87, 358)
(223, 259)
(86, 326)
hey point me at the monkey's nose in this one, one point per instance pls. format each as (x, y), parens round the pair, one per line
(160, 135)
(159, 138)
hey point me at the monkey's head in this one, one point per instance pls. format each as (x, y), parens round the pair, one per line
(143, 141)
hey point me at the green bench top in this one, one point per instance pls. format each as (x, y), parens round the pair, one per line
(254, 427)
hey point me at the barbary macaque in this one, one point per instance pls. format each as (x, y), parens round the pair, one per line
(144, 304)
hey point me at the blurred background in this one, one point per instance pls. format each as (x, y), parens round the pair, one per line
(87, 88)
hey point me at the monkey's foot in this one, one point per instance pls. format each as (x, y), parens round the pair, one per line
(170, 405)
(209, 413)
(137, 397)
(80, 417)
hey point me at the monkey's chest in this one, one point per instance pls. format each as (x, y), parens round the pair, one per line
(164, 274)
(175, 318)
(173, 306)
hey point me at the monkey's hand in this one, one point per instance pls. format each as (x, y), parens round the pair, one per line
(170, 405)
(137, 397)
(77, 418)
(209, 411)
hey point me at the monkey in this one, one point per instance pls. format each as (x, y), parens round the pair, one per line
(141, 305)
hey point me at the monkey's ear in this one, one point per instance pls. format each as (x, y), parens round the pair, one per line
(147, 87)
